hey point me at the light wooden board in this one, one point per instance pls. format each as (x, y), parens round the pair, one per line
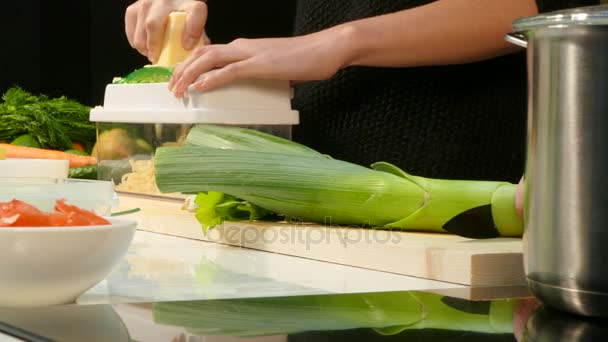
(443, 257)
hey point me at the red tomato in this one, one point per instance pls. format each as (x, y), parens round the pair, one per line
(78, 146)
(20, 214)
(77, 216)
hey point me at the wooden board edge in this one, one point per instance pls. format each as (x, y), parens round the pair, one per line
(512, 265)
(454, 265)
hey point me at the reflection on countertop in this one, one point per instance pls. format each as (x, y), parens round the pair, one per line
(386, 316)
(165, 268)
(179, 290)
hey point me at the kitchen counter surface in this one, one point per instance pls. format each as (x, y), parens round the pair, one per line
(176, 289)
(386, 316)
(166, 268)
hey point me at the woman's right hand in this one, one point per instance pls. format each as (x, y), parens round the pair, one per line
(145, 24)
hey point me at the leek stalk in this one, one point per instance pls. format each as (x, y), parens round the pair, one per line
(236, 138)
(387, 313)
(324, 190)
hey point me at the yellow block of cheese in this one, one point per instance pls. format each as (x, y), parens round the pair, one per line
(172, 51)
(2, 153)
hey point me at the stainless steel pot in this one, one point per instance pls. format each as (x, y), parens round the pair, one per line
(566, 234)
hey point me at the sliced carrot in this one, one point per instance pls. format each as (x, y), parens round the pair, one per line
(13, 151)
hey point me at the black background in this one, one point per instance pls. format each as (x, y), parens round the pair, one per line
(75, 48)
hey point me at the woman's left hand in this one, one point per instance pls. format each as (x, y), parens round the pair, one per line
(316, 56)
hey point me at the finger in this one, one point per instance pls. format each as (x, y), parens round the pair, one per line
(131, 22)
(179, 68)
(195, 55)
(200, 84)
(206, 39)
(155, 30)
(140, 38)
(213, 57)
(174, 77)
(189, 74)
(195, 24)
(229, 73)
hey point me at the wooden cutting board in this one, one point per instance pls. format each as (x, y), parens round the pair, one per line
(443, 257)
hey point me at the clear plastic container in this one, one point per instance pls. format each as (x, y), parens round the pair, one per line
(97, 196)
(136, 119)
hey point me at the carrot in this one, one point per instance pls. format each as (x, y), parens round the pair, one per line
(14, 151)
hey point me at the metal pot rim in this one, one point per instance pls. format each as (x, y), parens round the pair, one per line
(587, 16)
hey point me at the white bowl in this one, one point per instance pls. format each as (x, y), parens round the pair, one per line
(34, 168)
(90, 323)
(54, 265)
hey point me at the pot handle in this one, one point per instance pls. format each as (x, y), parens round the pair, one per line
(517, 39)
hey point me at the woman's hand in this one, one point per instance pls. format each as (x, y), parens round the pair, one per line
(316, 56)
(407, 38)
(145, 24)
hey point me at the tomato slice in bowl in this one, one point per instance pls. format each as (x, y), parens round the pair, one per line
(77, 216)
(20, 214)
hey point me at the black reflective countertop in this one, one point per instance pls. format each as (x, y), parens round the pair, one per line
(388, 316)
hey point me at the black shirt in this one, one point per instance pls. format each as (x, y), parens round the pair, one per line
(456, 122)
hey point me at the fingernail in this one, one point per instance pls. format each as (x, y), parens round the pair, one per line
(189, 43)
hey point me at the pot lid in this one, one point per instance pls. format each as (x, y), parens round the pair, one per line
(592, 15)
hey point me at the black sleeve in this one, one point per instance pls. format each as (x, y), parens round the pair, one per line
(554, 5)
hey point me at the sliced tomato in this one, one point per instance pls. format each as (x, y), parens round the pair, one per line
(58, 220)
(20, 214)
(8, 220)
(78, 216)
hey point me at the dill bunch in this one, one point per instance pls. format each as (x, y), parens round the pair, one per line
(54, 122)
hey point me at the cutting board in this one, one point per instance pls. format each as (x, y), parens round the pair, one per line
(443, 257)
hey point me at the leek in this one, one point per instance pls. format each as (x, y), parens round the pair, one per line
(387, 313)
(308, 188)
(236, 138)
(331, 191)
